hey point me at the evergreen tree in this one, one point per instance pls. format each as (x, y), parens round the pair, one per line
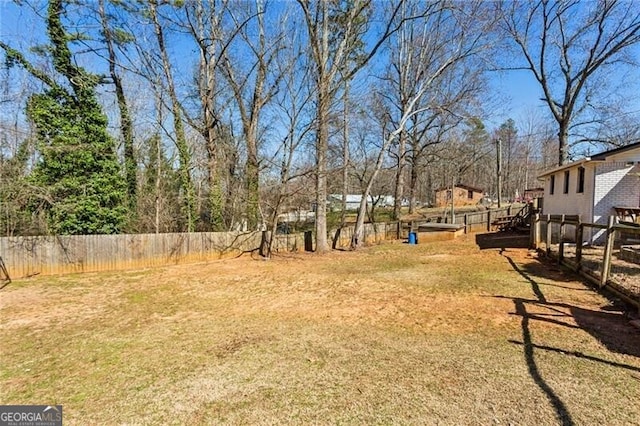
(78, 166)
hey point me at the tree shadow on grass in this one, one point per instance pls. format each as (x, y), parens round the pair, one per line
(561, 409)
(610, 328)
(608, 324)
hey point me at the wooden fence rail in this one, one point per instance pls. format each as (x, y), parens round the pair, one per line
(51, 255)
(472, 221)
(556, 232)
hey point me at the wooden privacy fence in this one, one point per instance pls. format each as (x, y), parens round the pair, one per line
(373, 233)
(472, 221)
(50, 255)
(608, 255)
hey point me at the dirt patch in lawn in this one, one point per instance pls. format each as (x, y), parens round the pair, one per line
(439, 333)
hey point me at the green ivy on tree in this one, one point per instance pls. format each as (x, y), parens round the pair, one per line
(78, 165)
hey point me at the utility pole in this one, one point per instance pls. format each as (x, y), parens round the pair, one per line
(499, 170)
(453, 212)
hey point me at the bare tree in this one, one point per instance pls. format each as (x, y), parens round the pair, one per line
(203, 21)
(292, 103)
(176, 109)
(111, 38)
(254, 80)
(407, 66)
(332, 31)
(471, 156)
(566, 44)
(346, 153)
(448, 37)
(620, 127)
(507, 133)
(418, 51)
(17, 148)
(409, 111)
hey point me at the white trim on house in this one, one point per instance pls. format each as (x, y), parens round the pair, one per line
(610, 180)
(565, 166)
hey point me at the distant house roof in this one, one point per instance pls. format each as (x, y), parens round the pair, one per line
(466, 187)
(351, 198)
(355, 199)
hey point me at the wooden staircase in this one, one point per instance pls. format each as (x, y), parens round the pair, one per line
(519, 222)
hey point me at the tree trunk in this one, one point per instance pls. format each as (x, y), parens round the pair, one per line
(157, 183)
(345, 155)
(413, 183)
(357, 238)
(399, 189)
(215, 199)
(563, 148)
(258, 100)
(322, 143)
(358, 232)
(126, 124)
(252, 185)
(180, 138)
(207, 30)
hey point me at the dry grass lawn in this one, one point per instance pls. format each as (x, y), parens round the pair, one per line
(440, 333)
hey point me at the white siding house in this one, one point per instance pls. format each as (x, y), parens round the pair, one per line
(593, 187)
(353, 201)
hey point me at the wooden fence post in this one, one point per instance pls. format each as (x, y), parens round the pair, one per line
(547, 242)
(532, 233)
(579, 237)
(266, 244)
(489, 220)
(308, 241)
(561, 240)
(538, 237)
(608, 249)
(466, 221)
(5, 279)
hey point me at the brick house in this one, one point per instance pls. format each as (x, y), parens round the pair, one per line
(463, 195)
(595, 187)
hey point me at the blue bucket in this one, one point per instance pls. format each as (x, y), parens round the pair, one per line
(413, 238)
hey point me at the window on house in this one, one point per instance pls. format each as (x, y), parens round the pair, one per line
(566, 182)
(552, 184)
(470, 194)
(580, 180)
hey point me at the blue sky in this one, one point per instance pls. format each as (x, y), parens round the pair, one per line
(521, 94)
(518, 94)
